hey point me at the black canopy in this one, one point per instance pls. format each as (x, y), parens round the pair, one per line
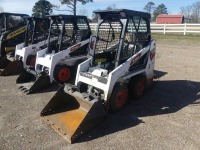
(61, 16)
(122, 13)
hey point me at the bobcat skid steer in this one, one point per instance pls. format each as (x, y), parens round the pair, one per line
(121, 64)
(13, 28)
(25, 53)
(56, 63)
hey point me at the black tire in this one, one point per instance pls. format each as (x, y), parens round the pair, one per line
(30, 61)
(4, 62)
(137, 86)
(118, 97)
(62, 73)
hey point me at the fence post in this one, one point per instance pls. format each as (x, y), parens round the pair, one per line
(117, 27)
(164, 28)
(185, 29)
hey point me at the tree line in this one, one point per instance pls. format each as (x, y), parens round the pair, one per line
(44, 7)
(192, 12)
(154, 10)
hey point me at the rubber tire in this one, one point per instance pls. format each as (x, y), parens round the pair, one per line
(134, 85)
(29, 58)
(116, 91)
(57, 70)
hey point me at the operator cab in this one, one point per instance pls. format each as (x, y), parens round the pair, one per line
(67, 30)
(37, 30)
(9, 21)
(120, 35)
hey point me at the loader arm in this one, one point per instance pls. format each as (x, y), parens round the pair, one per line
(10, 39)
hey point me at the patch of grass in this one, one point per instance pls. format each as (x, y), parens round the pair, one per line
(194, 38)
(179, 37)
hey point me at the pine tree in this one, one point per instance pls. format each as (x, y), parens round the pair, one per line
(72, 4)
(42, 8)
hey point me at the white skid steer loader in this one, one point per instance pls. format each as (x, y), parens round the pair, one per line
(121, 64)
(25, 53)
(56, 63)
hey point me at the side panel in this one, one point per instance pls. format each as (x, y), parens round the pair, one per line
(151, 61)
(51, 60)
(84, 66)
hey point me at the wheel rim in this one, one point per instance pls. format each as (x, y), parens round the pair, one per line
(64, 74)
(140, 87)
(120, 99)
(32, 62)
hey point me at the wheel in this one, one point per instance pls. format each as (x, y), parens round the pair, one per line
(137, 86)
(118, 97)
(30, 61)
(62, 73)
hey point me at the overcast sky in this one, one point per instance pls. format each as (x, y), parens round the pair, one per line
(25, 6)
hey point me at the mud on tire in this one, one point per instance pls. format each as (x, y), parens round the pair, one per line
(118, 97)
(137, 86)
(30, 61)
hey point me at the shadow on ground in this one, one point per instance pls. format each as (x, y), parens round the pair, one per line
(159, 74)
(51, 88)
(165, 97)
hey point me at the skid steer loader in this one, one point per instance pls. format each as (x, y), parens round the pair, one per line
(121, 64)
(9, 21)
(25, 53)
(56, 63)
(13, 28)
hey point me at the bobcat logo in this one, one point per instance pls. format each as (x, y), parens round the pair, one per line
(136, 58)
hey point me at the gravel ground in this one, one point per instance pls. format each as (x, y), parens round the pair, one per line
(166, 117)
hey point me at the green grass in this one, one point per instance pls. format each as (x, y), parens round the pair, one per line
(195, 38)
(179, 37)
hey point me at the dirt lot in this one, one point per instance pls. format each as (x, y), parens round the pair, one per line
(166, 117)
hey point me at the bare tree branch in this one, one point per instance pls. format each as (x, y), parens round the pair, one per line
(63, 10)
(72, 4)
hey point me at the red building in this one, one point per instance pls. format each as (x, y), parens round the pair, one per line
(170, 19)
